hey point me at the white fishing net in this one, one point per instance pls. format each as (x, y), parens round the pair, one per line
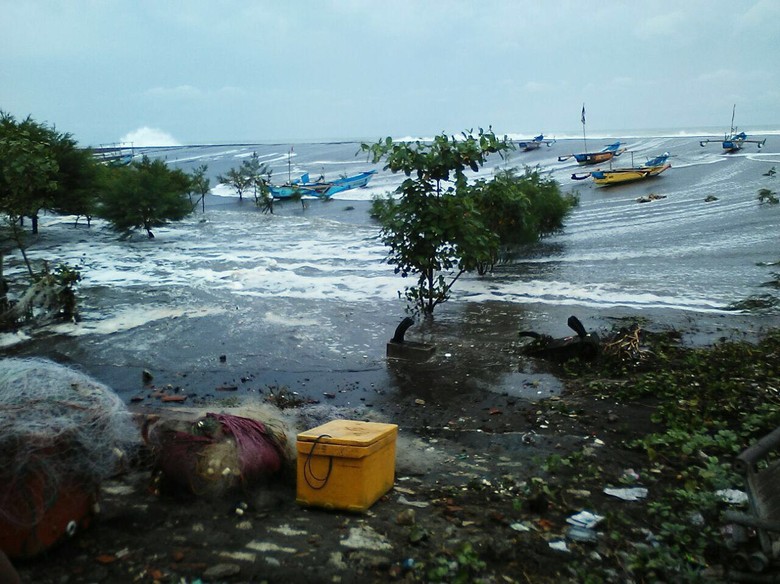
(57, 425)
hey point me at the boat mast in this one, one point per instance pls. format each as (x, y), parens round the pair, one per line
(584, 139)
(733, 111)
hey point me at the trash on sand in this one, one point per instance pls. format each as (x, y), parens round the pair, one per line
(632, 494)
(62, 434)
(732, 496)
(630, 474)
(559, 545)
(578, 533)
(585, 519)
(365, 538)
(521, 527)
(418, 504)
(216, 453)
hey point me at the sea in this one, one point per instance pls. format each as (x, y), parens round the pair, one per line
(233, 300)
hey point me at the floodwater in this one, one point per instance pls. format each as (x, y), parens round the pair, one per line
(302, 299)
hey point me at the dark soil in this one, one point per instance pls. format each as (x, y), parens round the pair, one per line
(469, 503)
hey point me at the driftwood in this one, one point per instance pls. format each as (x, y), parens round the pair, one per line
(760, 469)
(43, 302)
(584, 346)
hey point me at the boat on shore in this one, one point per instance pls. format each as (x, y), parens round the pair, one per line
(617, 176)
(320, 188)
(535, 144)
(114, 154)
(733, 141)
(586, 158)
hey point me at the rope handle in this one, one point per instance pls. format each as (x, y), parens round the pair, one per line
(307, 470)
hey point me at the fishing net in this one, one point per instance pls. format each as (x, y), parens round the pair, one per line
(217, 453)
(57, 427)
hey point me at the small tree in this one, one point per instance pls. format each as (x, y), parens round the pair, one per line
(520, 209)
(258, 176)
(236, 179)
(144, 195)
(200, 186)
(434, 231)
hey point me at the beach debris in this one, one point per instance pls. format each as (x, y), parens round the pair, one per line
(627, 494)
(581, 534)
(710, 198)
(559, 545)
(222, 571)
(582, 525)
(217, 453)
(365, 538)
(62, 434)
(732, 496)
(585, 519)
(399, 348)
(419, 504)
(584, 346)
(626, 344)
(650, 197)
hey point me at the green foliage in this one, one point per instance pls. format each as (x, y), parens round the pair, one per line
(440, 226)
(459, 567)
(28, 167)
(708, 405)
(41, 168)
(144, 195)
(252, 176)
(235, 179)
(520, 209)
(200, 186)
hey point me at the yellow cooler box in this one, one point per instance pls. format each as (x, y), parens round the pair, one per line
(346, 464)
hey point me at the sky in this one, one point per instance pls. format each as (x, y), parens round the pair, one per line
(189, 72)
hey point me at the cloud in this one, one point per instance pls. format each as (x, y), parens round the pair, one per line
(179, 92)
(146, 136)
(660, 25)
(191, 93)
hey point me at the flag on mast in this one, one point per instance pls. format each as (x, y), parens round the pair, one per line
(583, 114)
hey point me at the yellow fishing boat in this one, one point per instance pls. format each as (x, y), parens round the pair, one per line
(618, 176)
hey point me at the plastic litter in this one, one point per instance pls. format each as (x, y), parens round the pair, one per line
(585, 519)
(583, 534)
(559, 545)
(629, 494)
(732, 496)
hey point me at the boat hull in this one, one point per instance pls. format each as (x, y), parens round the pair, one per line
(626, 175)
(322, 190)
(593, 157)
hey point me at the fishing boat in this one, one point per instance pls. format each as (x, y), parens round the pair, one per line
(535, 144)
(586, 158)
(733, 141)
(114, 154)
(320, 188)
(617, 176)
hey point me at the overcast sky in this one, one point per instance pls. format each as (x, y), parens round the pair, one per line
(202, 71)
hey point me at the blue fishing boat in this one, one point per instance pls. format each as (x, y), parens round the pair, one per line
(114, 154)
(535, 144)
(733, 141)
(605, 155)
(320, 188)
